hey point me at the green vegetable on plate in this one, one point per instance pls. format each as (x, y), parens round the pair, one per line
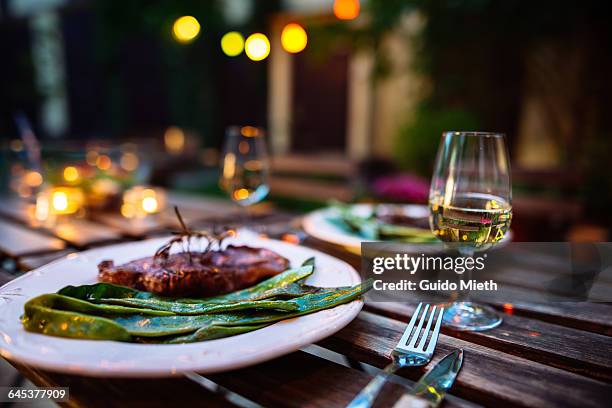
(109, 312)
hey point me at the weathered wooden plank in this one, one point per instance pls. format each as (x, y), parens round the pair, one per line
(126, 392)
(194, 208)
(78, 232)
(16, 241)
(539, 280)
(489, 377)
(563, 347)
(136, 228)
(304, 380)
(588, 316)
(593, 317)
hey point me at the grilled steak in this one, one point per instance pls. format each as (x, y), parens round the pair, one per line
(196, 274)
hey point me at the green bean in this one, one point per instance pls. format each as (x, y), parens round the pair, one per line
(110, 312)
(40, 317)
(167, 325)
(202, 308)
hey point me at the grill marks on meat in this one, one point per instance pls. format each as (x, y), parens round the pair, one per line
(206, 274)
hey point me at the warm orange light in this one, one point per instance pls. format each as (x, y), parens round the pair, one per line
(139, 201)
(241, 194)
(103, 162)
(243, 147)
(294, 38)
(291, 238)
(174, 139)
(346, 9)
(71, 174)
(33, 178)
(149, 205)
(185, 29)
(129, 161)
(66, 200)
(249, 131)
(508, 308)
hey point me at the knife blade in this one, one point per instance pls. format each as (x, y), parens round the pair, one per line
(431, 388)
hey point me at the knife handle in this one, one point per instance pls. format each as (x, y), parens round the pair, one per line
(368, 394)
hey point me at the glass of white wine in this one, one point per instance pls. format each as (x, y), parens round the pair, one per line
(470, 206)
(245, 165)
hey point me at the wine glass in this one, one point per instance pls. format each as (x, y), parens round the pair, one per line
(470, 206)
(245, 165)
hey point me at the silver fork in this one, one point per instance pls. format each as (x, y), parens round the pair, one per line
(406, 353)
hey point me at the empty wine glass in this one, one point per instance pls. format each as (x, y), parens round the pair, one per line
(245, 165)
(470, 205)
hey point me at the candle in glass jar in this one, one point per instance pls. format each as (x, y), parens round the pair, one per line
(58, 201)
(140, 201)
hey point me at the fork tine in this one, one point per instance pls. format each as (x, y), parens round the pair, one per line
(408, 330)
(434, 337)
(415, 336)
(432, 316)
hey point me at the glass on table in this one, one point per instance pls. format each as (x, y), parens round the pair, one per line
(470, 206)
(245, 165)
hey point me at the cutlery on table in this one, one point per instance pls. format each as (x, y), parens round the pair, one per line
(431, 388)
(407, 353)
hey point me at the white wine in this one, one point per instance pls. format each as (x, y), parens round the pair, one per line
(246, 183)
(479, 220)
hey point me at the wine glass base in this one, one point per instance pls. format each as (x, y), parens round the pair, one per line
(468, 316)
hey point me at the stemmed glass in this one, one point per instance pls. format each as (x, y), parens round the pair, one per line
(470, 206)
(245, 165)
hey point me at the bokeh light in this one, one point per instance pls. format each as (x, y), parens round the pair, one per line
(174, 140)
(346, 9)
(257, 47)
(33, 178)
(71, 174)
(232, 44)
(129, 161)
(185, 29)
(104, 162)
(294, 38)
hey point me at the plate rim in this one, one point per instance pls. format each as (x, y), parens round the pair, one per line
(352, 242)
(348, 313)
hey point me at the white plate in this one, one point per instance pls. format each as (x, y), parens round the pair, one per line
(319, 224)
(117, 359)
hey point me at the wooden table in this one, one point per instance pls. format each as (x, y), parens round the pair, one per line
(543, 355)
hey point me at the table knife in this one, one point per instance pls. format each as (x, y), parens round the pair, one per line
(431, 388)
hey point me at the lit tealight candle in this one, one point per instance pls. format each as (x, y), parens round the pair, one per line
(66, 200)
(139, 201)
(58, 201)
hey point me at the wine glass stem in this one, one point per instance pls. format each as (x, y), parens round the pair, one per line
(467, 252)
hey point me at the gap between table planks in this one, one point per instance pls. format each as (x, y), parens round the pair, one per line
(122, 392)
(558, 346)
(488, 376)
(588, 316)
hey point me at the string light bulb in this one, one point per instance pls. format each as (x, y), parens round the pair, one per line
(257, 47)
(346, 9)
(232, 44)
(294, 38)
(185, 29)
